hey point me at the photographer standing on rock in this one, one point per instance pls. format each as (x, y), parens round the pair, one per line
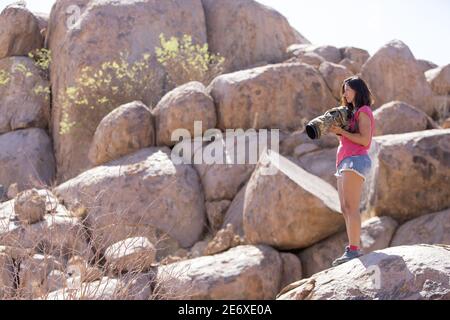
(352, 160)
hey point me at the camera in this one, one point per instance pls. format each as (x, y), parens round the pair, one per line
(338, 116)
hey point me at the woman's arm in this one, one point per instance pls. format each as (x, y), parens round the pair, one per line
(363, 137)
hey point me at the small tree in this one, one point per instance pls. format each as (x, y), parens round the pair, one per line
(105, 88)
(185, 62)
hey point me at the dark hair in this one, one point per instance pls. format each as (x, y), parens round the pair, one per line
(363, 96)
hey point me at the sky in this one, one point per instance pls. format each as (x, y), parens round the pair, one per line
(424, 25)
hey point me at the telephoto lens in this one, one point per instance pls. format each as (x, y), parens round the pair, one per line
(338, 116)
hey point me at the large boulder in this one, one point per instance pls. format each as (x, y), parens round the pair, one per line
(287, 207)
(321, 163)
(24, 95)
(356, 56)
(19, 32)
(26, 158)
(410, 174)
(400, 117)
(280, 96)
(393, 73)
(327, 52)
(99, 35)
(229, 161)
(123, 131)
(433, 228)
(134, 195)
(334, 75)
(246, 32)
(439, 79)
(376, 234)
(244, 272)
(180, 108)
(417, 272)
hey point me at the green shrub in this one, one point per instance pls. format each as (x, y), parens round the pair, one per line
(98, 91)
(185, 61)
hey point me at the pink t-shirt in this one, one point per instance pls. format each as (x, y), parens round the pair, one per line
(348, 148)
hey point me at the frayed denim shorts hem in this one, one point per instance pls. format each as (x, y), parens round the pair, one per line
(360, 165)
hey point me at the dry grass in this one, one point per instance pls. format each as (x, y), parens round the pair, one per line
(57, 258)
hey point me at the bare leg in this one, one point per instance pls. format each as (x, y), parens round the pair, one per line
(352, 185)
(342, 201)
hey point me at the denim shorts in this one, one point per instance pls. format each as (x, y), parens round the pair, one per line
(361, 165)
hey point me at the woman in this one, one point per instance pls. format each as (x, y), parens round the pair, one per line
(352, 160)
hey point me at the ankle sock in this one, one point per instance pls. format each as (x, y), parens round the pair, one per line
(353, 248)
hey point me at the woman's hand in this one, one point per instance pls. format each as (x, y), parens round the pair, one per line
(336, 130)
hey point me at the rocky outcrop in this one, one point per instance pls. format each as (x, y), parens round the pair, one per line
(154, 194)
(410, 174)
(104, 31)
(246, 32)
(417, 272)
(287, 207)
(278, 96)
(376, 234)
(393, 73)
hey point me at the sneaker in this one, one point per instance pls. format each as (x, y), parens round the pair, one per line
(347, 256)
